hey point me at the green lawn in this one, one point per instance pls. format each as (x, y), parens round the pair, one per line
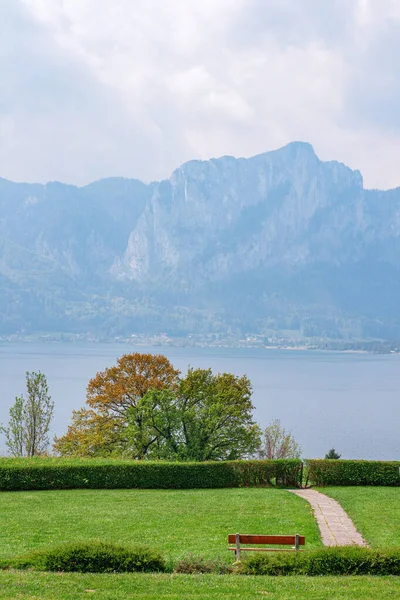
(175, 521)
(67, 586)
(375, 512)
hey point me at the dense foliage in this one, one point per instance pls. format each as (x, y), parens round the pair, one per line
(344, 560)
(353, 472)
(142, 408)
(54, 474)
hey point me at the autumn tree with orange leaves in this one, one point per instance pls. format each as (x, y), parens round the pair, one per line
(101, 428)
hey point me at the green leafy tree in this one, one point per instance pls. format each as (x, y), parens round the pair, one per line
(30, 418)
(279, 443)
(209, 417)
(332, 454)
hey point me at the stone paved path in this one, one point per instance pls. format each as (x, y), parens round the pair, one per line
(337, 529)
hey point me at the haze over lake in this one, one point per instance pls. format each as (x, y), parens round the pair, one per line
(348, 401)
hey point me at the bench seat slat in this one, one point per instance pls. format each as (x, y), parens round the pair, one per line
(281, 540)
(263, 549)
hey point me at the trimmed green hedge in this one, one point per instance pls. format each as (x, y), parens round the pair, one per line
(68, 473)
(57, 474)
(353, 472)
(344, 560)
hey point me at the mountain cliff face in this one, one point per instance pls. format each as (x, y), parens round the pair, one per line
(280, 241)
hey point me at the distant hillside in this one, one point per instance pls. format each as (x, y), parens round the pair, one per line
(281, 242)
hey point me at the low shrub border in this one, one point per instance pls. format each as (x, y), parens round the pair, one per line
(56, 474)
(104, 557)
(91, 557)
(344, 560)
(353, 472)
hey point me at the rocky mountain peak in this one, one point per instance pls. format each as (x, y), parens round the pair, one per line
(245, 238)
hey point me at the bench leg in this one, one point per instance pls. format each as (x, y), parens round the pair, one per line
(237, 551)
(297, 542)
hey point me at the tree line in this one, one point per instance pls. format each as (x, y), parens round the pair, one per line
(144, 408)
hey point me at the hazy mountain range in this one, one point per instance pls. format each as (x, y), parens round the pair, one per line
(281, 242)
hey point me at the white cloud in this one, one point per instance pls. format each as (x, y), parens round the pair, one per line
(100, 87)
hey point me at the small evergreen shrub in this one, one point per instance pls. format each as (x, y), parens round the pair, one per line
(353, 472)
(340, 560)
(198, 564)
(332, 454)
(93, 557)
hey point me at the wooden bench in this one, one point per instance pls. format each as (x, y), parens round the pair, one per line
(273, 540)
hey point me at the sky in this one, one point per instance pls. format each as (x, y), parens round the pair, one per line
(97, 88)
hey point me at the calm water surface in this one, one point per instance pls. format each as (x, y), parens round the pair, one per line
(348, 401)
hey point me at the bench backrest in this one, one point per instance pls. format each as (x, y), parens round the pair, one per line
(281, 540)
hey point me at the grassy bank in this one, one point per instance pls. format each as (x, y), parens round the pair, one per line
(176, 522)
(375, 512)
(67, 586)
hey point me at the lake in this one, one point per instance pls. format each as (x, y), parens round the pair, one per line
(347, 401)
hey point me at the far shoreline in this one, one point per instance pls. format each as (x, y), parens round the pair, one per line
(148, 342)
